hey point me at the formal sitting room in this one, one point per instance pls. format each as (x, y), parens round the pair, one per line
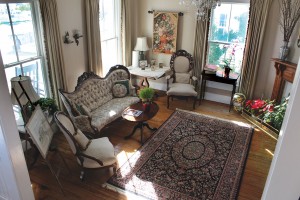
(149, 99)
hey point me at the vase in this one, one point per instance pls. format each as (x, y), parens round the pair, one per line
(238, 101)
(226, 71)
(284, 50)
(146, 106)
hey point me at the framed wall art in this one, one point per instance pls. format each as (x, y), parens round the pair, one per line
(40, 131)
(165, 32)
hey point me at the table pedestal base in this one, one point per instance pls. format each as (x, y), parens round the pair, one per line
(140, 125)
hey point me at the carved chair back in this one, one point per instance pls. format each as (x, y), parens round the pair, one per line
(181, 64)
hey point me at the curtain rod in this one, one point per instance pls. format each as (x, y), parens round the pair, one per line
(152, 11)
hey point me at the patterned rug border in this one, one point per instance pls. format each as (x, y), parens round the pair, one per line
(243, 163)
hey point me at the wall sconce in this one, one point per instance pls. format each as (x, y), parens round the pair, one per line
(76, 36)
(67, 38)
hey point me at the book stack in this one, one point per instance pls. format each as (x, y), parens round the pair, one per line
(133, 112)
(210, 69)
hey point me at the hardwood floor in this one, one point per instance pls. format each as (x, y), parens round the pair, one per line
(45, 186)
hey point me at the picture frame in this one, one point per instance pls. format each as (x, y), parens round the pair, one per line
(152, 67)
(143, 64)
(165, 25)
(40, 131)
(152, 62)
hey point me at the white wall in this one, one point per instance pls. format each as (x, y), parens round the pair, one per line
(144, 27)
(14, 177)
(272, 41)
(186, 23)
(71, 17)
(284, 177)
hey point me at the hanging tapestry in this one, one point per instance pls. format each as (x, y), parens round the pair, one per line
(165, 32)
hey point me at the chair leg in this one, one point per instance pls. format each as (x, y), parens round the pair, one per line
(82, 175)
(115, 166)
(195, 99)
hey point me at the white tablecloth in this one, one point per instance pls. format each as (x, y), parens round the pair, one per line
(159, 72)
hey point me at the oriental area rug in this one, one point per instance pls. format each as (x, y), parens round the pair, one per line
(191, 156)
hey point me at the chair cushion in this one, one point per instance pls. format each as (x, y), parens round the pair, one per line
(182, 78)
(101, 149)
(110, 111)
(181, 89)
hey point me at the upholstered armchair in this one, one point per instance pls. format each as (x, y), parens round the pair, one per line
(183, 83)
(95, 153)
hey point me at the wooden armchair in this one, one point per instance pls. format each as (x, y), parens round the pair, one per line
(182, 64)
(95, 153)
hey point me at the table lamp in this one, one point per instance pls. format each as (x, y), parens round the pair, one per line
(23, 94)
(141, 46)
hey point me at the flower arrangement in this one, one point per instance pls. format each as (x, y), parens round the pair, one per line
(229, 54)
(267, 111)
(290, 14)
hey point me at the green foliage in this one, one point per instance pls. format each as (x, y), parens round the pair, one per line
(23, 7)
(215, 54)
(275, 118)
(146, 94)
(243, 19)
(47, 104)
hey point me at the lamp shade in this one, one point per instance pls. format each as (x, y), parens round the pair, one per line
(141, 44)
(20, 93)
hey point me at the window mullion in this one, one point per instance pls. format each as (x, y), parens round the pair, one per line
(22, 62)
(13, 32)
(228, 31)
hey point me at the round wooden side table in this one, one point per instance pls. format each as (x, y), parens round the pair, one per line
(141, 119)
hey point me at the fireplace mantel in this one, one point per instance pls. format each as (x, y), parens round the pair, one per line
(285, 71)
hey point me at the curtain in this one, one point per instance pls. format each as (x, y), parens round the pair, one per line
(259, 10)
(126, 32)
(55, 59)
(200, 47)
(93, 36)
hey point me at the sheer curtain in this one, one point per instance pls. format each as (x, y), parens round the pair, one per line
(126, 32)
(259, 10)
(200, 49)
(55, 59)
(93, 36)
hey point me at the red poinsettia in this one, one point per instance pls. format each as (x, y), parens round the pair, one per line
(256, 107)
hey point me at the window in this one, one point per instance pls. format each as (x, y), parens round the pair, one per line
(110, 33)
(21, 44)
(227, 35)
(223, 18)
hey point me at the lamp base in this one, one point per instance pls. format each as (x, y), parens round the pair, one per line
(141, 55)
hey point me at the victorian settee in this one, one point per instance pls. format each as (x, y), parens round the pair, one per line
(98, 101)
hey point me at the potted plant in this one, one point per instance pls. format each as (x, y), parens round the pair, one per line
(274, 114)
(146, 95)
(48, 105)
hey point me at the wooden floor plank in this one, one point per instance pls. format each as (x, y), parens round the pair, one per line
(45, 186)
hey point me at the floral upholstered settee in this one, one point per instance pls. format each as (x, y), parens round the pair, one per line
(98, 101)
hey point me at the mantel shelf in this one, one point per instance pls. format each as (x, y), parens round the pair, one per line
(285, 71)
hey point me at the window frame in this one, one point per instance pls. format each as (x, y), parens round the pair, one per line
(117, 32)
(38, 34)
(209, 41)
